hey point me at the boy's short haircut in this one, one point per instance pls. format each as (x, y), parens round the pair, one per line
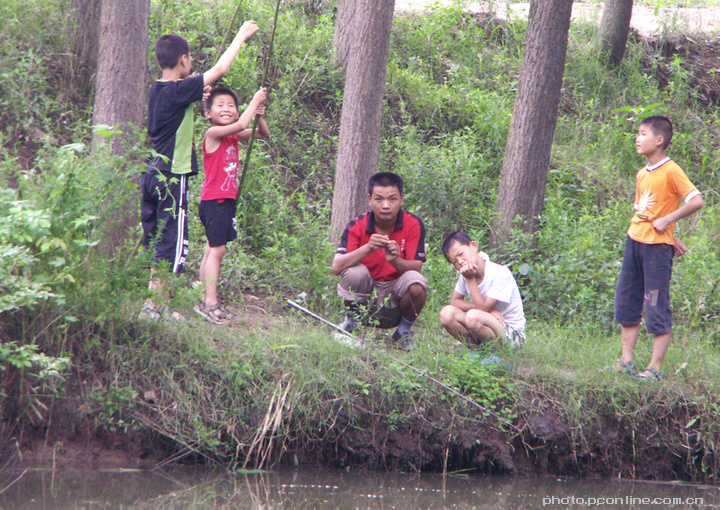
(660, 126)
(385, 179)
(455, 237)
(169, 48)
(220, 91)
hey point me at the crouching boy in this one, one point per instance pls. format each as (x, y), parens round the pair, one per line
(495, 309)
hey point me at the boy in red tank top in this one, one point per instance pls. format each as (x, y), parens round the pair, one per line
(221, 161)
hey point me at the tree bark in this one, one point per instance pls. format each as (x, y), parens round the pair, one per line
(359, 145)
(343, 31)
(86, 43)
(527, 154)
(614, 29)
(120, 96)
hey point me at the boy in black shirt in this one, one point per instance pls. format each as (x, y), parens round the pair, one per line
(164, 185)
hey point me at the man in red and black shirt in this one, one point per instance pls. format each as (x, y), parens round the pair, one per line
(383, 250)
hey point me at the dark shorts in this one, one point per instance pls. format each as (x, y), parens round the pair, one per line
(163, 212)
(218, 218)
(645, 281)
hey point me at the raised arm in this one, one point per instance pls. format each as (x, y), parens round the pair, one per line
(262, 130)
(247, 30)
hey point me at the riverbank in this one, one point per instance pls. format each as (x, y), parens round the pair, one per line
(271, 390)
(83, 381)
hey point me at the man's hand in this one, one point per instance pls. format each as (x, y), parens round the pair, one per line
(377, 241)
(392, 251)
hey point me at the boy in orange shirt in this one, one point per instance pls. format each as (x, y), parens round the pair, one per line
(647, 263)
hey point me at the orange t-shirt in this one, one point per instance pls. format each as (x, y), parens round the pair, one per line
(658, 192)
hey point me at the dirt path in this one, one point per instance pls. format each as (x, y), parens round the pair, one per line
(645, 19)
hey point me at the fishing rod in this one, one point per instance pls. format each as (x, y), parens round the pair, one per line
(246, 163)
(396, 360)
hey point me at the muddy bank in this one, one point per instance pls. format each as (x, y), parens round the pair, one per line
(658, 436)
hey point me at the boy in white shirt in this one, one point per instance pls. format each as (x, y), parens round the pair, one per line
(495, 309)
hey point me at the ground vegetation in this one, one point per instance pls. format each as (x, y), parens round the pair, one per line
(83, 380)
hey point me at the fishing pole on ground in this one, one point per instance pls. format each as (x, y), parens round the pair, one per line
(246, 163)
(396, 360)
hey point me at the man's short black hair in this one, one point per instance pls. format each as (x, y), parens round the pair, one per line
(385, 179)
(455, 237)
(220, 91)
(169, 48)
(660, 126)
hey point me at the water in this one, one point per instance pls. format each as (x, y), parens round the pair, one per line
(192, 488)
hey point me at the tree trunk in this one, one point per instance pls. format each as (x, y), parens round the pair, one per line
(527, 154)
(614, 29)
(120, 96)
(121, 85)
(359, 146)
(86, 43)
(343, 31)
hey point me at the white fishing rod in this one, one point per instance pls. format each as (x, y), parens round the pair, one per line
(396, 360)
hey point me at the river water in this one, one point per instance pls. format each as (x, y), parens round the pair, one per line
(324, 489)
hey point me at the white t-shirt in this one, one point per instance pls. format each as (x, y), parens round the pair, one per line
(499, 284)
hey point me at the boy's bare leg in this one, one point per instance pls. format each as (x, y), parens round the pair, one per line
(453, 320)
(161, 295)
(628, 339)
(483, 326)
(204, 262)
(210, 272)
(660, 347)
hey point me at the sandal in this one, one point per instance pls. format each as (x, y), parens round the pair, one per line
(653, 376)
(214, 313)
(149, 313)
(171, 314)
(626, 368)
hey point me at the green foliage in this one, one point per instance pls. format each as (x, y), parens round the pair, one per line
(29, 379)
(111, 408)
(487, 384)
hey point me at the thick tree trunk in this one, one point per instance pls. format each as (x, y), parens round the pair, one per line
(121, 91)
(614, 29)
(527, 154)
(359, 146)
(86, 43)
(343, 31)
(121, 84)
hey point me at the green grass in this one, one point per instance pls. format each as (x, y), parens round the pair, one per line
(449, 98)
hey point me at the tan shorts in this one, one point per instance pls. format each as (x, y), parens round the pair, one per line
(357, 285)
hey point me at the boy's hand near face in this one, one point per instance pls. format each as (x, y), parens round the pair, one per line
(468, 270)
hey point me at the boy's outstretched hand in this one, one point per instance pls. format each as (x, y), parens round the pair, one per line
(248, 29)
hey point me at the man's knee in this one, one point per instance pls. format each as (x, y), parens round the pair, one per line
(355, 280)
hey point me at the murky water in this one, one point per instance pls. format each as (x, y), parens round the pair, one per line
(192, 488)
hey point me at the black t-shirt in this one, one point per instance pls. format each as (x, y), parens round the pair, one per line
(170, 124)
